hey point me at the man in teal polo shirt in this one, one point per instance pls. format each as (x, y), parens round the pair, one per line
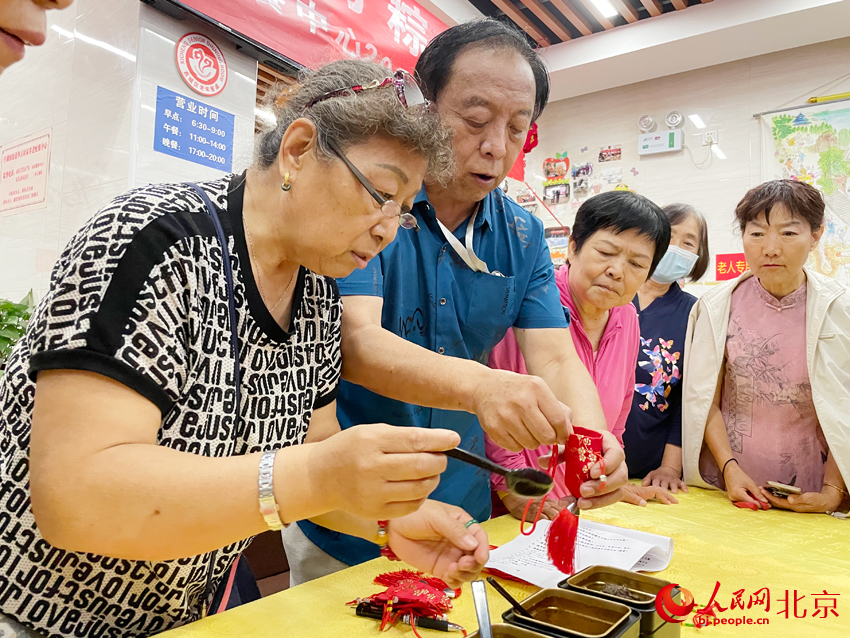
(421, 318)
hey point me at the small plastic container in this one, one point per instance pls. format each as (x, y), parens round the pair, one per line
(561, 613)
(641, 587)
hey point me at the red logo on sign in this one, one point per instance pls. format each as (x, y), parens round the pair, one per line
(668, 609)
(201, 64)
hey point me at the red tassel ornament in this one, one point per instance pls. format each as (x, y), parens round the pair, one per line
(561, 541)
(583, 449)
(410, 593)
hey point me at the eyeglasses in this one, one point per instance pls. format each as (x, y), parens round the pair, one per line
(389, 207)
(406, 89)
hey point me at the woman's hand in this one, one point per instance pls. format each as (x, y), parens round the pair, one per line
(640, 494)
(593, 493)
(667, 478)
(827, 500)
(551, 507)
(435, 539)
(380, 471)
(741, 488)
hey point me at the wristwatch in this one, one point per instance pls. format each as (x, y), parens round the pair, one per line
(268, 504)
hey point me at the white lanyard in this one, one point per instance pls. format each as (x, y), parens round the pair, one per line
(466, 252)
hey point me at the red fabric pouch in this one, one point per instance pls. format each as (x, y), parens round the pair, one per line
(584, 448)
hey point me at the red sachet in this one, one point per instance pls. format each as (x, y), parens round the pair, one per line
(584, 448)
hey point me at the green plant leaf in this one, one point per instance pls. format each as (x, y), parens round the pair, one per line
(14, 318)
(28, 302)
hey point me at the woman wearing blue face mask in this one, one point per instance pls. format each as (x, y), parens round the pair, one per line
(653, 436)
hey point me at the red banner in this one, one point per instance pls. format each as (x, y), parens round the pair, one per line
(315, 32)
(730, 265)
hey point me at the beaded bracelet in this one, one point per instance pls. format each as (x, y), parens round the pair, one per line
(383, 541)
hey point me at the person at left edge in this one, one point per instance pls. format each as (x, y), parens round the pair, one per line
(130, 482)
(420, 321)
(23, 23)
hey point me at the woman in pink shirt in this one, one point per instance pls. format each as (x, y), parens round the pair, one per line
(617, 241)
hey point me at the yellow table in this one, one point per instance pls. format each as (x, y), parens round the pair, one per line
(714, 541)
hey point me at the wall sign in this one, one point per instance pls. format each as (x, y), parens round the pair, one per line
(201, 64)
(24, 166)
(660, 142)
(392, 32)
(730, 266)
(192, 130)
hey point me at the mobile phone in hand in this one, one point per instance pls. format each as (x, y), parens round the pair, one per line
(781, 490)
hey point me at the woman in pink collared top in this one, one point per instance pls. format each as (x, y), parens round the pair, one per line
(617, 241)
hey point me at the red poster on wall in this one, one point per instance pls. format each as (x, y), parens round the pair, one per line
(730, 265)
(314, 32)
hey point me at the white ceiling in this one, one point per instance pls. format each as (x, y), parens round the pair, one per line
(713, 33)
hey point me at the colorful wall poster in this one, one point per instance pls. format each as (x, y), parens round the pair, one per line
(610, 153)
(558, 240)
(556, 169)
(525, 196)
(556, 193)
(812, 144)
(581, 179)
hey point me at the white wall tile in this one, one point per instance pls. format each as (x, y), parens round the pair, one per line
(90, 90)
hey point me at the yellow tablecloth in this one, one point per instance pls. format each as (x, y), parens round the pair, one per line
(714, 541)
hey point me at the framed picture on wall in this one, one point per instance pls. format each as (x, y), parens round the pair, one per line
(525, 196)
(581, 179)
(556, 194)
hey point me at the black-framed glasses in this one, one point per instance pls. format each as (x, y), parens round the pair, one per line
(389, 207)
(406, 89)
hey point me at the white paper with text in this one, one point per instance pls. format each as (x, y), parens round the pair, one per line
(526, 558)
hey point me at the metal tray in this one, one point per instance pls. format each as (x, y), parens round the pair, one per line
(644, 589)
(565, 613)
(591, 581)
(502, 630)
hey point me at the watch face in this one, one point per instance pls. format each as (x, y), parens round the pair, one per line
(646, 123)
(674, 119)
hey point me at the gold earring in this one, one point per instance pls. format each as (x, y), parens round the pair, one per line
(286, 183)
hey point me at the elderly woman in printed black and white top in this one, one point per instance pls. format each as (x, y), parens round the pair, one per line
(122, 391)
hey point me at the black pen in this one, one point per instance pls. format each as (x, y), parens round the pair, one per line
(367, 611)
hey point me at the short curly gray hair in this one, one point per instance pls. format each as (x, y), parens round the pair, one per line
(354, 118)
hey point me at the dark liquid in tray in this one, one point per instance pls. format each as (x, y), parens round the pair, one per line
(575, 616)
